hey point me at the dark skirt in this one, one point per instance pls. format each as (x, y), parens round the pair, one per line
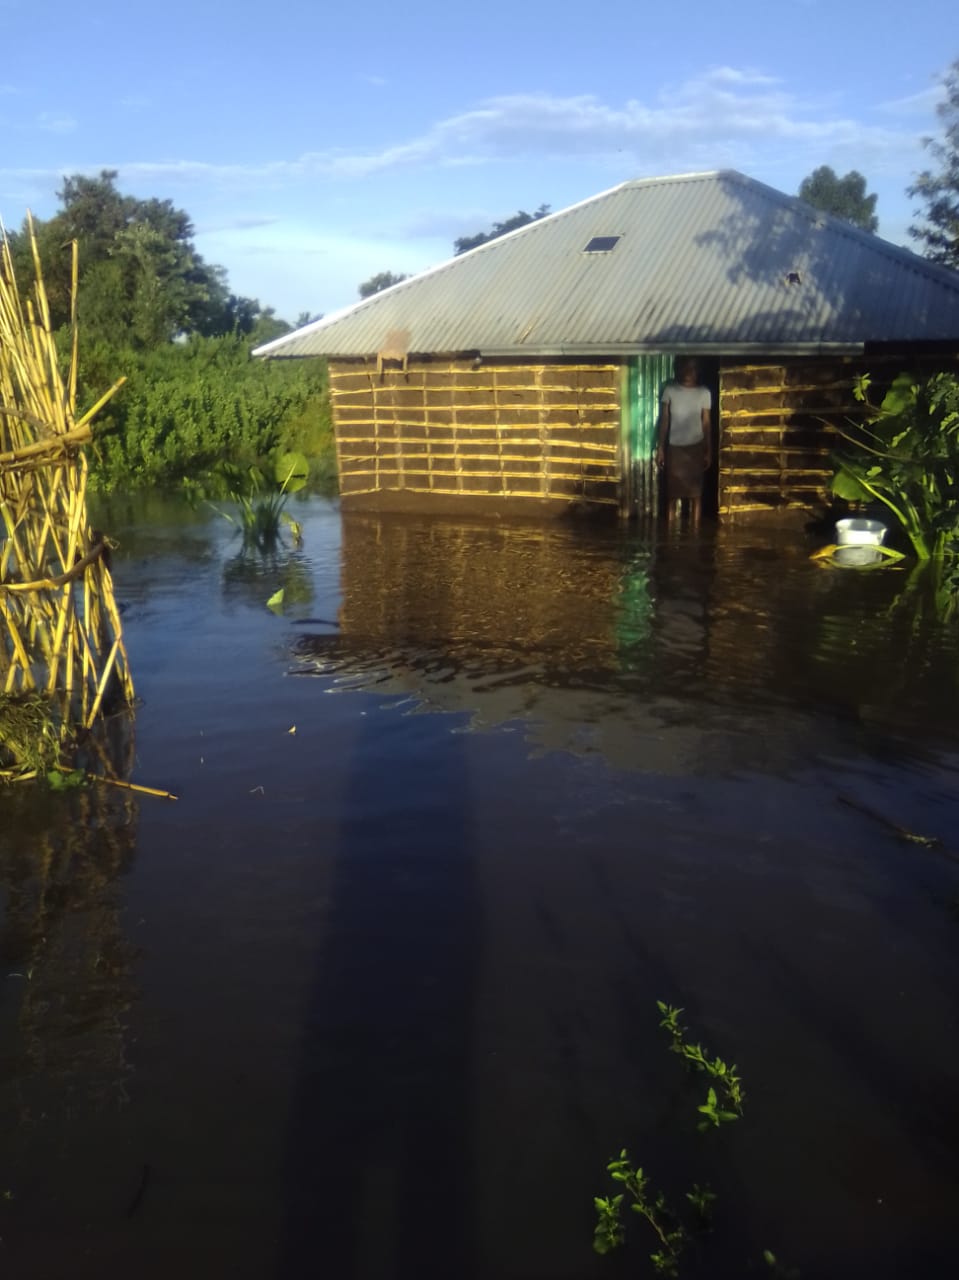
(684, 471)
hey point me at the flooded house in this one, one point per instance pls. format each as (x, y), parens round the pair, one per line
(526, 374)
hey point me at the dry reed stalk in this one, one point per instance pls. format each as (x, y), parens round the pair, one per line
(60, 629)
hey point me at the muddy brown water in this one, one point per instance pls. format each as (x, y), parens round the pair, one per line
(377, 998)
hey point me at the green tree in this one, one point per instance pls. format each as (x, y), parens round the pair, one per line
(939, 190)
(376, 284)
(141, 279)
(519, 219)
(843, 197)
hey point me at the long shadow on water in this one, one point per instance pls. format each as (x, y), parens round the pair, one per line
(378, 1159)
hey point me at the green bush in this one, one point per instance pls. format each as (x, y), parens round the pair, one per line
(189, 407)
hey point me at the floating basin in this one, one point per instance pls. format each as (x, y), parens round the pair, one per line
(857, 532)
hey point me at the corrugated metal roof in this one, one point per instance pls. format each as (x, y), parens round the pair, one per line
(703, 261)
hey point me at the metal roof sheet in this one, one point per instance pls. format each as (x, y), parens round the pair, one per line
(703, 261)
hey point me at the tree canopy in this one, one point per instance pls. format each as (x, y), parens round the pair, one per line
(843, 197)
(141, 278)
(376, 284)
(519, 219)
(938, 189)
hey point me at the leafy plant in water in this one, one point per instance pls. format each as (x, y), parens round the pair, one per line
(65, 779)
(906, 456)
(719, 1107)
(673, 1237)
(261, 505)
(724, 1102)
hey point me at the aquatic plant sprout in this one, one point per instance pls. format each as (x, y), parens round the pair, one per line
(262, 505)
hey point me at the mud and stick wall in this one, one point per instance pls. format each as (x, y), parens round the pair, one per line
(460, 429)
(778, 420)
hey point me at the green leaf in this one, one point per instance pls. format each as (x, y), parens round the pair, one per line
(846, 486)
(275, 601)
(292, 471)
(900, 396)
(294, 526)
(58, 780)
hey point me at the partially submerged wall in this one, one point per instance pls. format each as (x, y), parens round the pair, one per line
(778, 423)
(776, 433)
(544, 435)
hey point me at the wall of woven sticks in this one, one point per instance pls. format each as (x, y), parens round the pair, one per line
(540, 431)
(774, 442)
(776, 423)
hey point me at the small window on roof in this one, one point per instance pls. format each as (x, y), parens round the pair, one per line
(602, 244)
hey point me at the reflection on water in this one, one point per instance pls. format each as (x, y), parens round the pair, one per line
(644, 653)
(376, 997)
(63, 951)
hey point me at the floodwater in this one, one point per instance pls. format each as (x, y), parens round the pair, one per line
(376, 998)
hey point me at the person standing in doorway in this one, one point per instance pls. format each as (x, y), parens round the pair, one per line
(684, 439)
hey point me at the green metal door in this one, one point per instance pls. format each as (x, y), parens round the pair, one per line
(648, 374)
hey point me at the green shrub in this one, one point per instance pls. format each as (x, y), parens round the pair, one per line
(189, 407)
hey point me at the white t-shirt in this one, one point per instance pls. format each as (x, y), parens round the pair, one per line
(686, 405)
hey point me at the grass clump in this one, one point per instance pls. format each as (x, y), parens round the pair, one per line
(29, 734)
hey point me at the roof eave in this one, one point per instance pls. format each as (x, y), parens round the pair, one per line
(718, 348)
(580, 350)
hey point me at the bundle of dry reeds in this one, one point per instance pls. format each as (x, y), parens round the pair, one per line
(60, 631)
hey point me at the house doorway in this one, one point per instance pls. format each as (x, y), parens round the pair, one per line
(648, 375)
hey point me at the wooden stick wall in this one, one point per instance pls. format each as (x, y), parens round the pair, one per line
(544, 431)
(774, 445)
(776, 423)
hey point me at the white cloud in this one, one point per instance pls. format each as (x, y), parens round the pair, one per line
(725, 117)
(55, 122)
(740, 76)
(248, 222)
(923, 103)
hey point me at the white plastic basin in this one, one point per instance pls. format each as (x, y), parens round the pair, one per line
(857, 532)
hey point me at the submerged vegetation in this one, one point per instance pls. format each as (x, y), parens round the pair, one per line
(673, 1235)
(725, 1075)
(261, 501)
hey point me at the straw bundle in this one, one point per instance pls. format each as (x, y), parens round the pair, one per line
(60, 631)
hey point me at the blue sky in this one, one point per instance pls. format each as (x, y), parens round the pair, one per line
(316, 144)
